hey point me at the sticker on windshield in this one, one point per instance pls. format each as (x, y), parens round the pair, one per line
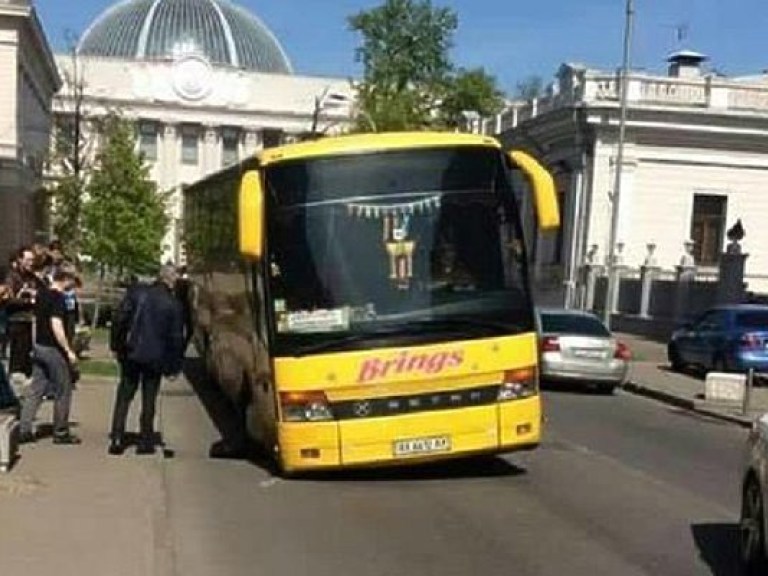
(304, 322)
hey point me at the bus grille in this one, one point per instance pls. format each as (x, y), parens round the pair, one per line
(396, 405)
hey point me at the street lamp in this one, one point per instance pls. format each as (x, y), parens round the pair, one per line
(615, 199)
(325, 101)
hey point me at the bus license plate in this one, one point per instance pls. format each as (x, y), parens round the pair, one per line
(418, 446)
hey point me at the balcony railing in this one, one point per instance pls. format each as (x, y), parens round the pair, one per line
(593, 88)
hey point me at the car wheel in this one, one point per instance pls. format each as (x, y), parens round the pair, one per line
(674, 358)
(752, 530)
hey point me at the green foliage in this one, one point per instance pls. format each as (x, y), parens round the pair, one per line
(409, 81)
(405, 56)
(124, 216)
(67, 196)
(471, 90)
(530, 88)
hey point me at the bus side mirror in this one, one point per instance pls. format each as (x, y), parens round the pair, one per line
(547, 210)
(251, 215)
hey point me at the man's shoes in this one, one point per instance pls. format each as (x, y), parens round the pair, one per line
(27, 438)
(117, 447)
(66, 439)
(146, 447)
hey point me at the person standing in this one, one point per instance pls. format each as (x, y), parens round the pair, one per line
(7, 395)
(24, 284)
(184, 294)
(148, 340)
(55, 361)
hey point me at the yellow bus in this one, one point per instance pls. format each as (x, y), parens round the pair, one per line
(364, 300)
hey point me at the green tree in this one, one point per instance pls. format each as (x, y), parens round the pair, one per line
(124, 216)
(472, 90)
(71, 158)
(530, 88)
(406, 64)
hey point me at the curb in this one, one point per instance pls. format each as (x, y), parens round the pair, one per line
(685, 404)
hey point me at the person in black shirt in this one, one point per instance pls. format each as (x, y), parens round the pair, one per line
(54, 361)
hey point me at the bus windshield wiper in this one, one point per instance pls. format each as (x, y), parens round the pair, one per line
(469, 324)
(456, 327)
(355, 337)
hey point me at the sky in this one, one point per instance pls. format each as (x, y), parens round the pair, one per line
(510, 38)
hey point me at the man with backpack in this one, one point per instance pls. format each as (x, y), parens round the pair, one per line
(148, 339)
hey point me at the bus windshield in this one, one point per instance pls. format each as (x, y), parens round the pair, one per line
(394, 247)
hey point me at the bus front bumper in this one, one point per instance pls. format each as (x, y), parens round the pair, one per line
(411, 438)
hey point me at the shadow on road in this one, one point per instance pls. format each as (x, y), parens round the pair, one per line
(234, 446)
(224, 415)
(460, 469)
(718, 546)
(573, 388)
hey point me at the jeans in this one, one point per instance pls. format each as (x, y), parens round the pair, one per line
(50, 371)
(20, 340)
(131, 375)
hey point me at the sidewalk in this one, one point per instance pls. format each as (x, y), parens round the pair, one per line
(76, 511)
(651, 377)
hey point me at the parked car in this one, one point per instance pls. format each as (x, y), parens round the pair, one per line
(724, 339)
(576, 347)
(754, 523)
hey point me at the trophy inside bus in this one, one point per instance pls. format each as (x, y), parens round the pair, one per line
(397, 220)
(400, 249)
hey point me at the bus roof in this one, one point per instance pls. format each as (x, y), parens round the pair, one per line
(359, 143)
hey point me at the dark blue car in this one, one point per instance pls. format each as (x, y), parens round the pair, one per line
(724, 339)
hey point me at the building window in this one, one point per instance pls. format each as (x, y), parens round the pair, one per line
(190, 145)
(148, 141)
(230, 138)
(708, 227)
(272, 138)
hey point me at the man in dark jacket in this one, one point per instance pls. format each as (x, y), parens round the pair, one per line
(148, 339)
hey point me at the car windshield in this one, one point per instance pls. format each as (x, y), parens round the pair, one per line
(576, 324)
(753, 320)
(420, 243)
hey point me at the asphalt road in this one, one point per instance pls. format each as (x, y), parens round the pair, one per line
(621, 486)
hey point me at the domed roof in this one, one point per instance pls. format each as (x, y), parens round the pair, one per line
(219, 30)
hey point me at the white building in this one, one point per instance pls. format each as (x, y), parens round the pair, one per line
(206, 83)
(696, 160)
(28, 81)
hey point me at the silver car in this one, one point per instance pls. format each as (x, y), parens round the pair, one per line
(576, 346)
(754, 524)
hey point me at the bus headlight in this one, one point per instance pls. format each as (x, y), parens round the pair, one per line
(518, 384)
(305, 407)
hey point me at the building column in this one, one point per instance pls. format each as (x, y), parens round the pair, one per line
(628, 172)
(169, 156)
(574, 224)
(211, 152)
(252, 142)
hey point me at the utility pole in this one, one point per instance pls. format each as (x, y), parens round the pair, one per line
(616, 197)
